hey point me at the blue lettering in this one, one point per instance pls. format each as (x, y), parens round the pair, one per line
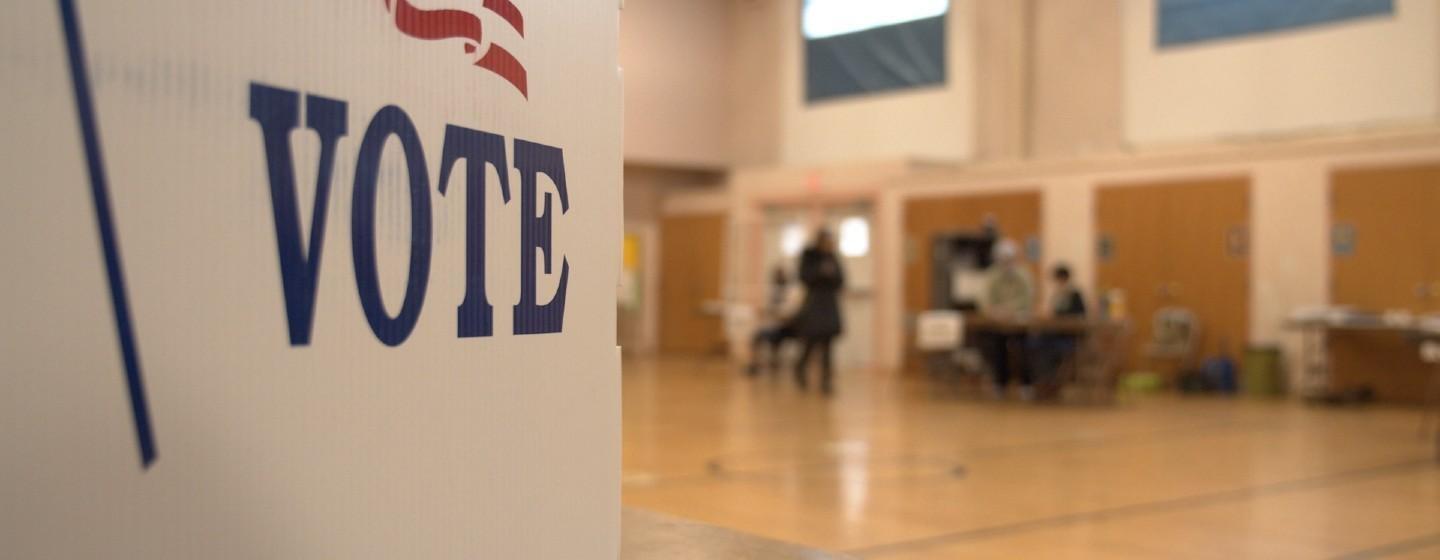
(277, 111)
(390, 121)
(477, 148)
(532, 160)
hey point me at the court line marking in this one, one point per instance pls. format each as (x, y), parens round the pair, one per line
(1391, 549)
(957, 457)
(1144, 508)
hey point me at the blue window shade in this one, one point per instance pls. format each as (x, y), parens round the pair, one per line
(893, 57)
(1183, 22)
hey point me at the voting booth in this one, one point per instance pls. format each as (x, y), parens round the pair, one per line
(322, 279)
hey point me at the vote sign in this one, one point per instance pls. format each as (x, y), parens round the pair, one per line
(324, 279)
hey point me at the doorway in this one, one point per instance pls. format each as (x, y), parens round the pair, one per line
(787, 229)
(1383, 259)
(1178, 244)
(1015, 215)
(691, 252)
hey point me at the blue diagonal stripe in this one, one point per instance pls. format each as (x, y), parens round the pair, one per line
(99, 188)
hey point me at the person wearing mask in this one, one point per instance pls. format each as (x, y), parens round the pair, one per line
(1009, 296)
(818, 322)
(1047, 351)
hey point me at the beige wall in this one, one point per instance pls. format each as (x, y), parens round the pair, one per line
(1077, 103)
(1002, 52)
(720, 83)
(649, 193)
(755, 106)
(1051, 87)
(1357, 74)
(675, 54)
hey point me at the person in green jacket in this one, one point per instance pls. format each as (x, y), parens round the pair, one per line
(1010, 295)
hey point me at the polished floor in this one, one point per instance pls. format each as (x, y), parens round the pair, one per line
(894, 468)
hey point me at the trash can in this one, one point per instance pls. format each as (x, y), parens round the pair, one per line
(1263, 371)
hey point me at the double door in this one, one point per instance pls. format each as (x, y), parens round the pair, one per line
(788, 229)
(1385, 256)
(1178, 244)
(1385, 227)
(1015, 214)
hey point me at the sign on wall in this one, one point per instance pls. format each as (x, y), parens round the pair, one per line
(323, 279)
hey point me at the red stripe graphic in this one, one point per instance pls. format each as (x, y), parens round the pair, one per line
(508, 12)
(433, 25)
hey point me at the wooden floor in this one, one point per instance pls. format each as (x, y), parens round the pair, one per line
(895, 469)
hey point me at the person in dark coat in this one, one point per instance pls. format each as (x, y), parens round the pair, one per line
(1048, 351)
(818, 323)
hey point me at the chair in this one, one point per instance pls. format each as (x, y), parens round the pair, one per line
(1174, 336)
(1430, 353)
(1092, 369)
(733, 318)
(939, 334)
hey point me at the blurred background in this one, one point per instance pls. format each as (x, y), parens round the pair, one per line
(1099, 278)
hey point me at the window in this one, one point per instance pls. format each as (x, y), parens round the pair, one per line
(828, 18)
(855, 47)
(854, 237)
(1183, 22)
(792, 239)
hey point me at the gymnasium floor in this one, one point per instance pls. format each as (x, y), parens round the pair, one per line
(896, 470)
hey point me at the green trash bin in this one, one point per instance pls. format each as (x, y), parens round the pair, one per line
(1263, 371)
(1141, 382)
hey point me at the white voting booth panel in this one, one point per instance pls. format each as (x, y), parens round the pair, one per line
(939, 330)
(319, 279)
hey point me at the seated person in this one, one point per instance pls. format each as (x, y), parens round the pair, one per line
(1010, 296)
(780, 323)
(1048, 351)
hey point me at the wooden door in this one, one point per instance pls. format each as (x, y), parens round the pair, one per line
(1384, 257)
(691, 253)
(924, 218)
(1016, 214)
(1431, 227)
(1132, 255)
(1209, 242)
(1381, 216)
(1178, 244)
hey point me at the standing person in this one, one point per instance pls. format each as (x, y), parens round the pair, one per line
(1010, 296)
(818, 322)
